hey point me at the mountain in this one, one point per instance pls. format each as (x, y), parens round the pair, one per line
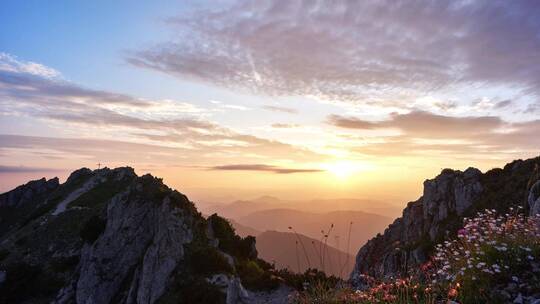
(110, 236)
(364, 225)
(241, 208)
(243, 230)
(439, 212)
(285, 249)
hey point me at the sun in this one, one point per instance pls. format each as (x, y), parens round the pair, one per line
(341, 169)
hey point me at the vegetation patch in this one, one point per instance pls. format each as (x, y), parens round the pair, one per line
(92, 229)
(493, 259)
(206, 261)
(254, 276)
(99, 196)
(196, 290)
(229, 242)
(28, 284)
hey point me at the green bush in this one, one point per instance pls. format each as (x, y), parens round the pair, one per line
(207, 260)
(254, 277)
(228, 240)
(92, 229)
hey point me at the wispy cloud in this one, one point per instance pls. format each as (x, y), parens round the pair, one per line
(356, 51)
(425, 132)
(262, 167)
(285, 126)
(161, 122)
(280, 109)
(24, 169)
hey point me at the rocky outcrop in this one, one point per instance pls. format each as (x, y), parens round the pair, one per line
(32, 192)
(452, 192)
(109, 236)
(446, 199)
(142, 244)
(533, 198)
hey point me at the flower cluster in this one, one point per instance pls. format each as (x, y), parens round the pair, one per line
(402, 290)
(493, 259)
(490, 250)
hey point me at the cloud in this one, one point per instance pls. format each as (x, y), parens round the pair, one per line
(10, 63)
(350, 122)
(431, 134)
(426, 124)
(284, 126)
(164, 121)
(24, 169)
(266, 168)
(357, 51)
(503, 104)
(280, 109)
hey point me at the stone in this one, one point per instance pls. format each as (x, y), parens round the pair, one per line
(236, 294)
(220, 280)
(142, 243)
(445, 200)
(533, 199)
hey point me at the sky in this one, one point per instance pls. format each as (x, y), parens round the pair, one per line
(297, 99)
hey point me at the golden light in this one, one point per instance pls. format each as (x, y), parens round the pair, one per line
(342, 169)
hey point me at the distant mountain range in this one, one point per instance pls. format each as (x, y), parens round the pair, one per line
(240, 208)
(364, 225)
(288, 250)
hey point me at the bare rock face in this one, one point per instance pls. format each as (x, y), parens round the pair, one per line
(141, 246)
(446, 199)
(452, 192)
(534, 199)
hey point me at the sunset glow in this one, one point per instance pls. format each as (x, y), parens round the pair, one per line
(210, 97)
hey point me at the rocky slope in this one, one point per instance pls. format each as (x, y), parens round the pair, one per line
(446, 200)
(110, 236)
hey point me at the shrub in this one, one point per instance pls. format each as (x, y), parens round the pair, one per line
(92, 229)
(229, 241)
(207, 260)
(254, 276)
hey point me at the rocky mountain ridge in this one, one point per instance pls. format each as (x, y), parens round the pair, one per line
(446, 200)
(110, 236)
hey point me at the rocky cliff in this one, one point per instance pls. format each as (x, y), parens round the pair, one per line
(110, 236)
(446, 200)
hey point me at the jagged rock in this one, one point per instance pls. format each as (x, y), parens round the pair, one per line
(77, 174)
(534, 199)
(142, 244)
(34, 191)
(452, 192)
(445, 201)
(236, 294)
(109, 236)
(220, 280)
